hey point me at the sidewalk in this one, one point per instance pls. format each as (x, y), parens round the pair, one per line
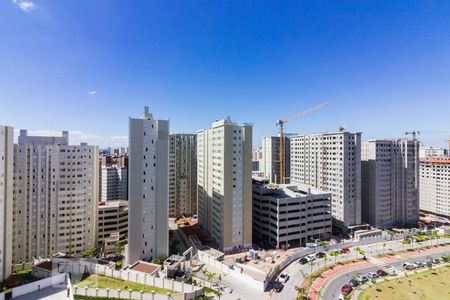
(415, 253)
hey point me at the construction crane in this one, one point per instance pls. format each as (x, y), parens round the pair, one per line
(280, 123)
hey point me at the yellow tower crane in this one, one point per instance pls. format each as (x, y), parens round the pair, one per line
(281, 123)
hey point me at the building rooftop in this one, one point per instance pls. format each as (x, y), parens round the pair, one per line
(436, 160)
(291, 190)
(46, 265)
(112, 203)
(145, 267)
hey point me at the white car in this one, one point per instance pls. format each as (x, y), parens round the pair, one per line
(362, 278)
(284, 277)
(372, 275)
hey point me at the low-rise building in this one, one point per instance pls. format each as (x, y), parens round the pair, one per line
(290, 215)
(112, 224)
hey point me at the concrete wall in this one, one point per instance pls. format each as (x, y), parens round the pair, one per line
(129, 275)
(133, 295)
(59, 279)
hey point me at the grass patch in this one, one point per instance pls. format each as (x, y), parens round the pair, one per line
(209, 290)
(103, 282)
(428, 285)
(18, 278)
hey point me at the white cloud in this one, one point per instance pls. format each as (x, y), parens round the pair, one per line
(24, 5)
(119, 138)
(92, 93)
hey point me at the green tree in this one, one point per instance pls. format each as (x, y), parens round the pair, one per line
(335, 254)
(325, 259)
(311, 264)
(384, 247)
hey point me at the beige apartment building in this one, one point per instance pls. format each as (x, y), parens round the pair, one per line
(6, 200)
(55, 197)
(182, 175)
(224, 161)
(148, 190)
(331, 162)
(435, 185)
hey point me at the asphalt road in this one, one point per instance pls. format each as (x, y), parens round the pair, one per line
(333, 288)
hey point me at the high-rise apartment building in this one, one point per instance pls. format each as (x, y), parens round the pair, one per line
(55, 197)
(6, 200)
(114, 182)
(270, 162)
(390, 183)
(289, 215)
(182, 174)
(148, 192)
(331, 162)
(435, 185)
(224, 162)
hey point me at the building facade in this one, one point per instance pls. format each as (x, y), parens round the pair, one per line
(430, 151)
(331, 162)
(182, 175)
(6, 200)
(289, 215)
(148, 188)
(435, 185)
(55, 197)
(112, 224)
(390, 183)
(270, 162)
(224, 161)
(114, 182)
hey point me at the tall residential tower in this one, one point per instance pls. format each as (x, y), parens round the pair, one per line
(6, 200)
(148, 190)
(224, 178)
(331, 162)
(55, 197)
(390, 183)
(182, 174)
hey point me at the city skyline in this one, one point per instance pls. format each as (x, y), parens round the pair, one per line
(382, 67)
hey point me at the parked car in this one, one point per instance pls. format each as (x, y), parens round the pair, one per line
(320, 254)
(284, 277)
(382, 273)
(311, 245)
(277, 286)
(304, 260)
(353, 282)
(409, 266)
(345, 250)
(435, 261)
(346, 289)
(372, 275)
(362, 278)
(420, 264)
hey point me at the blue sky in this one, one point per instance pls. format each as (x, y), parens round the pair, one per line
(86, 66)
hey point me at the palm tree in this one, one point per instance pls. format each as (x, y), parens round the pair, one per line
(357, 250)
(384, 247)
(312, 263)
(325, 258)
(334, 253)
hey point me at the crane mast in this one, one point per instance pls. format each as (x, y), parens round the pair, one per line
(280, 123)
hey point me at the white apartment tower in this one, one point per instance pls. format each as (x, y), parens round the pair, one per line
(224, 158)
(182, 175)
(331, 162)
(148, 189)
(6, 200)
(270, 162)
(390, 183)
(114, 182)
(55, 197)
(435, 185)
